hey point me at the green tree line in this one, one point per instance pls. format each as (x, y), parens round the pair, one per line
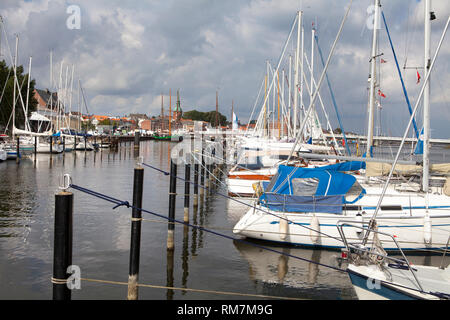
(206, 116)
(6, 101)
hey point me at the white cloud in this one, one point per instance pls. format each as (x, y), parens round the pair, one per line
(128, 52)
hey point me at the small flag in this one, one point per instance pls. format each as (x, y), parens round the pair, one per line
(381, 94)
(419, 145)
(418, 77)
(383, 61)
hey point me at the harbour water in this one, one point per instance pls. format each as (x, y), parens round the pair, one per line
(101, 236)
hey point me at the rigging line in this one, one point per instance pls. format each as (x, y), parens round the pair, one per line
(118, 203)
(254, 207)
(333, 99)
(212, 175)
(405, 93)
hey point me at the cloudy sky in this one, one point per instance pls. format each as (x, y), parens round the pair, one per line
(128, 53)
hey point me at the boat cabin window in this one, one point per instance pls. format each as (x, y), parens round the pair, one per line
(354, 192)
(304, 186)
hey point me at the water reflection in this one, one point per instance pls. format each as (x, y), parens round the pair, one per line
(297, 268)
(102, 235)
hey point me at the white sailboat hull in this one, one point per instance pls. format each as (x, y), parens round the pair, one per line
(321, 231)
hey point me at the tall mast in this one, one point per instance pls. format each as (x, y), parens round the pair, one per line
(296, 73)
(302, 49)
(313, 32)
(289, 90)
(373, 65)
(278, 106)
(217, 109)
(426, 99)
(28, 96)
(232, 114)
(170, 111)
(265, 106)
(14, 93)
(70, 103)
(162, 113)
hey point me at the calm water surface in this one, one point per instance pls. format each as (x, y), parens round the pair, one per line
(101, 236)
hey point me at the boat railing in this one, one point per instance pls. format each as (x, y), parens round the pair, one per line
(445, 252)
(369, 251)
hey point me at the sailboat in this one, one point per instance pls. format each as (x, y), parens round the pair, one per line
(3, 153)
(268, 146)
(377, 276)
(303, 206)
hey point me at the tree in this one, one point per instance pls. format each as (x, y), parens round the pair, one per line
(205, 116)
(6, 103)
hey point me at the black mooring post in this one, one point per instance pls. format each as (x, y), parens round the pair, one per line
(85, 142)
(187, 186)
(195, 183)
(136, 221)
(18, 150)
(51, 145)
(35, 146)
(202, 178)
(137, 140)
(207, 173)
(62, 245)
(172, 197)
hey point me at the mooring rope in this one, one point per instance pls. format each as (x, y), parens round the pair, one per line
(190, 289)
(246, 204)
(119, 202)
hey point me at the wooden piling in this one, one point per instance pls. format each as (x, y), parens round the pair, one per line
(18, 150)
(35, 146)
(172, 198)
(187, 185)
(51, 144)
(135, 245)
(62, 245)
(137, 139)
(195, 183)
(202, 178)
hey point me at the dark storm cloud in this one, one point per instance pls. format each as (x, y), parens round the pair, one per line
(129, 52)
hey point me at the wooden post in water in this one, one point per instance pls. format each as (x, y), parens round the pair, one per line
(202, 178)
(172, 197)
(195, 183)
(207, 170)
(137, 139)
(85, 142)
(136, 221)
(64, 145)
(18, 150)
(62, 245)
(187, 184)
(51, 145)
(35, 147)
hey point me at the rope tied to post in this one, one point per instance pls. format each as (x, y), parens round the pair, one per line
(175, 221)
(124, 203)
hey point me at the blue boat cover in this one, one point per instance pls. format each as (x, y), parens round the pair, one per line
(330, 189)
(289, 203)
(345, 166)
